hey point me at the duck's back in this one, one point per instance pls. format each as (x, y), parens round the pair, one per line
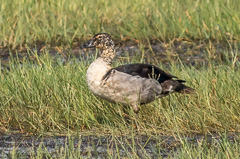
(168, 82)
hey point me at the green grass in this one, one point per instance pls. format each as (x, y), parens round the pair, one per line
(46, 95)
(68, 21)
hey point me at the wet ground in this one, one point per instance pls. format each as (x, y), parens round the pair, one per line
(189, 53)
(100, 146)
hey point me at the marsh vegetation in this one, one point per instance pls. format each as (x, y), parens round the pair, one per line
(43, 86)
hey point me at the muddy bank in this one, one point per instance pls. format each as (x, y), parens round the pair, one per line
(102, 146)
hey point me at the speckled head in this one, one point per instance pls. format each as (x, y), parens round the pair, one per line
(101, 41)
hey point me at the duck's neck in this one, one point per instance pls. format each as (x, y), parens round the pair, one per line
(107, 55)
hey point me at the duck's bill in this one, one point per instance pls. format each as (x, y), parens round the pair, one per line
(89, 44)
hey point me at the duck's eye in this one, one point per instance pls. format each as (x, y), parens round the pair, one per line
(100, 37)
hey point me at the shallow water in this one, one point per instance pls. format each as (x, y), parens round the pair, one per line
(99, 146)
(195, 54)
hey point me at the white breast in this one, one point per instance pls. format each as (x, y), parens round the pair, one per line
(95, 74)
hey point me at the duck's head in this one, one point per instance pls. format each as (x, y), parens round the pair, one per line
(101, 41)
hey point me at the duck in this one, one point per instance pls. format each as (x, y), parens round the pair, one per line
(131, 84)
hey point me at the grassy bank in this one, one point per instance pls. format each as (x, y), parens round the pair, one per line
(48, 95)
(66, 21)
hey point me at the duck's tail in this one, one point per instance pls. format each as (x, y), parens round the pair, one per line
(185, 89)
(171, 85)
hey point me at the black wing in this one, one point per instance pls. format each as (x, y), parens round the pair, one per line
(144, 70)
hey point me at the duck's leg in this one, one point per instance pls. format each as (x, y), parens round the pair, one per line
(127, 116)
(135, 108)
(136, 122)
